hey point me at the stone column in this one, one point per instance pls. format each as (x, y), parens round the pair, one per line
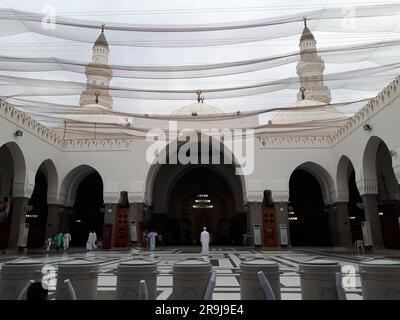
(18, 217)
(53, 220)
(371, 215)
(110, 213)
(136, 213)
(333, 228)
(65, 218)
(255, 217)
(343, 223)
(339, 225)
(282, 218)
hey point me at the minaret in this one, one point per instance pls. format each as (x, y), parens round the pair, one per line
(98, 74)
(310, 70)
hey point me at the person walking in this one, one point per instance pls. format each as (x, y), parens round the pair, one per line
(205, 242)
(67, 239)
(58, 240)
(152, 239)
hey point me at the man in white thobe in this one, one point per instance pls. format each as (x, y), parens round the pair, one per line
(89, 243)
(66, 240)
(152, 237)
(205, 242)
(94, 240)
(49, 241)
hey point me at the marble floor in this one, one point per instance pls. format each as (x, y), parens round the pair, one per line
(225, 261)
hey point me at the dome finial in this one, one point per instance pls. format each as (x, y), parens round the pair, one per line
(305, 21)
(102, 28)
(199, 97)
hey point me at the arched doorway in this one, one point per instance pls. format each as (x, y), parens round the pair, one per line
(12, 173)
(37, 216)
(46, 184)
(377, 167)
(198, 196)
(83, 190)
(388, 198)
(6, 177)
(308, 216)
(355, 206)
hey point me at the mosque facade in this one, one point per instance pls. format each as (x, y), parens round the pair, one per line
(314, 187)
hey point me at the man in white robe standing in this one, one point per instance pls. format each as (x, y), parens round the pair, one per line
(205, 242)
(152, 237)
(67, 239)
(94, 240)
(89, 243)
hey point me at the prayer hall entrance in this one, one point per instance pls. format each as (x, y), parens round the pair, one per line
(190, 197)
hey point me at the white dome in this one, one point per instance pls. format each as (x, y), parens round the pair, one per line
(198, 109)
(313, 111)
(94, 113)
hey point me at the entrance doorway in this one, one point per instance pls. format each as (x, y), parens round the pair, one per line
(308, 217)
(88, 212)
(199, 196)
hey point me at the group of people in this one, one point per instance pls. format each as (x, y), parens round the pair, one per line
(64, 240)
(60, 239)
(204, 239)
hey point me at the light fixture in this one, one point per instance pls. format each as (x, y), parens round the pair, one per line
(18, 133)
(291, 212)
(203, 206)
(367, 127)
(292, 218)
(97, 93)
(202, 201)
(380, 213)
(352, 218)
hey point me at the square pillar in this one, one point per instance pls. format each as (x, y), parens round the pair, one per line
(339, 225)
(136, 213)
(371, 216)
(110, 213)
(255, 217)
(282, 219)
(18, 217)
(65, 218)
(343, 223)
(53, 220)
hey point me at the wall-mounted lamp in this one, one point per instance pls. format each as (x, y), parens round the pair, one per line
(367, 127)
(18, 133)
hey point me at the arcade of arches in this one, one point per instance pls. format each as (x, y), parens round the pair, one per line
(186, 198)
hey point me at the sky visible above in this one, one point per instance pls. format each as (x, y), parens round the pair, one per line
(163, 12)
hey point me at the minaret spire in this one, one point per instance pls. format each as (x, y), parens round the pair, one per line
(98, 74)
(310, 69)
